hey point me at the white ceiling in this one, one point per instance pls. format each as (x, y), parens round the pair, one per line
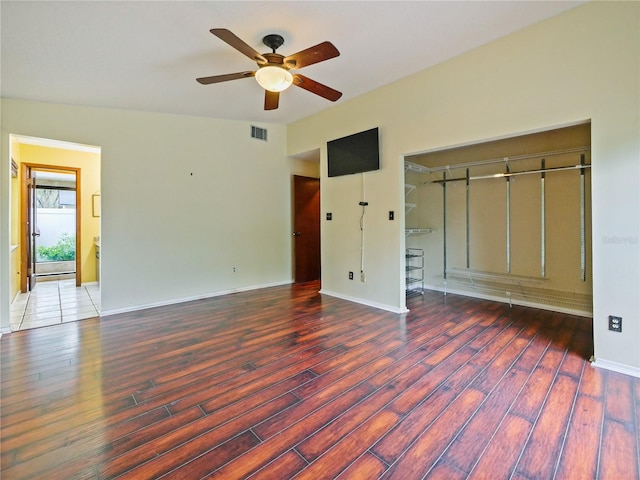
(146, 55)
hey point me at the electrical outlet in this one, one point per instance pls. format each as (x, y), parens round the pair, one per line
(615, 323)
(350, 275)
(329, 216)
(391, 214)
(234, 269)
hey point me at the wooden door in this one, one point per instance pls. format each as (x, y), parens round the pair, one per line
(33, 232)
(306, 228)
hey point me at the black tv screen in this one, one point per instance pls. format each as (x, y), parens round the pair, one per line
(356, 153)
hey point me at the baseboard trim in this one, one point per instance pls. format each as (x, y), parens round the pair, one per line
(361, 301)
(135, 308)
(617, 367)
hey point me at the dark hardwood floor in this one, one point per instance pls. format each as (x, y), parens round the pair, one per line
(283, 382)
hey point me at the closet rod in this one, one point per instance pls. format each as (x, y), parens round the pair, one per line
(543, 223)
(509, 159)
(512, 174)
(508, 220)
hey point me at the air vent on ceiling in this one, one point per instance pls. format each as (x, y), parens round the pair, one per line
(259, 133)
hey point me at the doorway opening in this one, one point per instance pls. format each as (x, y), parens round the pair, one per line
(55, 211)
(306, 228)
(51, 226)
(55, 232)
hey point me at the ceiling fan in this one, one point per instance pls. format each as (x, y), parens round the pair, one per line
(273, 73)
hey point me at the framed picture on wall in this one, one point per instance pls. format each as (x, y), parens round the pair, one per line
(95, 204)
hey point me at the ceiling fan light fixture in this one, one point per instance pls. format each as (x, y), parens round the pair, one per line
(273, 69)
(274, 79)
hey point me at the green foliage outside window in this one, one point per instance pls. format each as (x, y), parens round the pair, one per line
(62, 251)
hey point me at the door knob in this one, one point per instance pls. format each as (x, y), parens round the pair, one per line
(297, 234)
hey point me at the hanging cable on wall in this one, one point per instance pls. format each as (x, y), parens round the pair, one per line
(363, 204)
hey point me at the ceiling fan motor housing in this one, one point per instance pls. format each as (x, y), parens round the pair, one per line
(273, 41)
(274, 59)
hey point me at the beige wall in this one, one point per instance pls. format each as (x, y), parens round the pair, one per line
(184, 200)
(307, 167)
(581, 65)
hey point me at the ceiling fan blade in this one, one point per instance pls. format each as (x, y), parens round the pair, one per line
(316, 87)
(224, 78)
(226, 36)
(271, 100)
(319, 53)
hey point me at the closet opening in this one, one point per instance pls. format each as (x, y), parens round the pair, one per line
(506, 220)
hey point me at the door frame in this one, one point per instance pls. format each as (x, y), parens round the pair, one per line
(24, 231)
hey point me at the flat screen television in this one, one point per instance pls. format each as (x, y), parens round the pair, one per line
(356, 153)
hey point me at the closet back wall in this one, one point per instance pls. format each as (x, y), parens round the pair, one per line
(500, 241)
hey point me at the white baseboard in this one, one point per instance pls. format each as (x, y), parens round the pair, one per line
(361, 301)
(617, 367)
(174, 301)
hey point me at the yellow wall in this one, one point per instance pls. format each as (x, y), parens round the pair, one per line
(89, 164)
(15, 224)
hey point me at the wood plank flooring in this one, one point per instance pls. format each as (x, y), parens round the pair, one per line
(285, 383)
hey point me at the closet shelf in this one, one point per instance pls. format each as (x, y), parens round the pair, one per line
(408, 188)
(418, 231)
(414, 267)
(414, 167)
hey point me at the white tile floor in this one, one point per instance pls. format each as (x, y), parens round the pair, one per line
(53, 302)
